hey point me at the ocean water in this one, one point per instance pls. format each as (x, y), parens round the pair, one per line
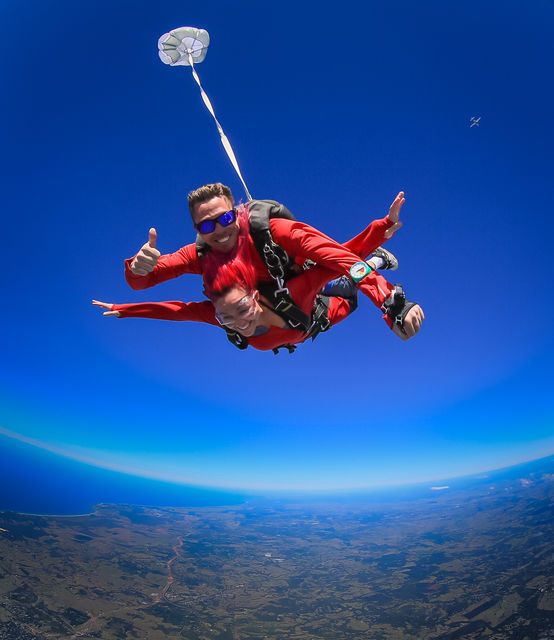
(36, 481)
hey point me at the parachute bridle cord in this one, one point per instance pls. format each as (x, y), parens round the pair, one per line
(179, 47)
(224, 139)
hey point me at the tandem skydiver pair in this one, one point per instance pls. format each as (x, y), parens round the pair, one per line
(271, 281)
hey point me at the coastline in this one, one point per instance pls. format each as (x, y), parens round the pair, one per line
(49, 515)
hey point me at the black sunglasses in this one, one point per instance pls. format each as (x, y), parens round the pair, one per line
(208, 226)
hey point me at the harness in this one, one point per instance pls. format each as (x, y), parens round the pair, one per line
(396, 306)
(318, 322)
(280, 269)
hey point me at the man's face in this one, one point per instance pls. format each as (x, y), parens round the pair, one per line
(239, 310)
(222, 239)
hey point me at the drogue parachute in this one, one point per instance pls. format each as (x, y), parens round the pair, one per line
(187, 46)
(184, 46)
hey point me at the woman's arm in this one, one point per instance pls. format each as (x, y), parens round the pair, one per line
(167, 310)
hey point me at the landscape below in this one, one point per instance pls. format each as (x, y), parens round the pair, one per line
(466, 562)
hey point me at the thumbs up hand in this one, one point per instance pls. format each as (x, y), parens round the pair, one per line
(147, 258)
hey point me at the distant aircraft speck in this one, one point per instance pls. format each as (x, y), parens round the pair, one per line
(474, 122)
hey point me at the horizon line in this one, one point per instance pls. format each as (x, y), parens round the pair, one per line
(207, 485)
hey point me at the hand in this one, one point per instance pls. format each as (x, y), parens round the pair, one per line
(147, 258)
(394, 215)
(412, 323)
(106, 305)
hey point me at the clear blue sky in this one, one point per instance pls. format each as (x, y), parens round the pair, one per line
(332, 111)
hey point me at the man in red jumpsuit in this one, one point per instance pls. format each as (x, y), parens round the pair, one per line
(209, 207)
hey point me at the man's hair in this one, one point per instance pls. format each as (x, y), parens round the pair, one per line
(207, 192)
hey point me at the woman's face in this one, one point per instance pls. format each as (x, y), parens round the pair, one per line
(239, 310)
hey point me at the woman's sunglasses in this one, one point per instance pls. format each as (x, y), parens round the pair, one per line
(245, 309)
(208, 226)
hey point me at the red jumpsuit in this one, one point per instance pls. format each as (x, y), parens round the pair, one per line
(301, 242)
(303, 290)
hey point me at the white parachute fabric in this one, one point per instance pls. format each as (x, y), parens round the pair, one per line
(175, 47)
(185, 47)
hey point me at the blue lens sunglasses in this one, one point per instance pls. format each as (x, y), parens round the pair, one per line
(208, 226)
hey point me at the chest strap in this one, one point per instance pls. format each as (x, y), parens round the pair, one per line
(283, 305)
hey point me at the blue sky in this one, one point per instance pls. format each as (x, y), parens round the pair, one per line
(332, 111)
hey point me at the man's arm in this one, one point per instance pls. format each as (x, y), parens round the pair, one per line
(378, 231)
(148, 268)
(300, 239)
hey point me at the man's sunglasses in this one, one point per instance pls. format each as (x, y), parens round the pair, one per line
(208, 226)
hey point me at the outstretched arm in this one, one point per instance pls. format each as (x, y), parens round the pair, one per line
(378, 231)
(167, 310)
(300, 239)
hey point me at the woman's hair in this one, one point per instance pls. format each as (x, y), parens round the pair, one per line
(237, 272)
(223, 271)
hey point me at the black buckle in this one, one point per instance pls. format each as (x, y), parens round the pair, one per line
(394, 304)
(290, 347)
(397, 307)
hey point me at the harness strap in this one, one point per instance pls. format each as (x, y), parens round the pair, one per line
(278, 265)
(396, 306)
(274, 256)
(285, 308)
(236, 338)
(320, 317)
